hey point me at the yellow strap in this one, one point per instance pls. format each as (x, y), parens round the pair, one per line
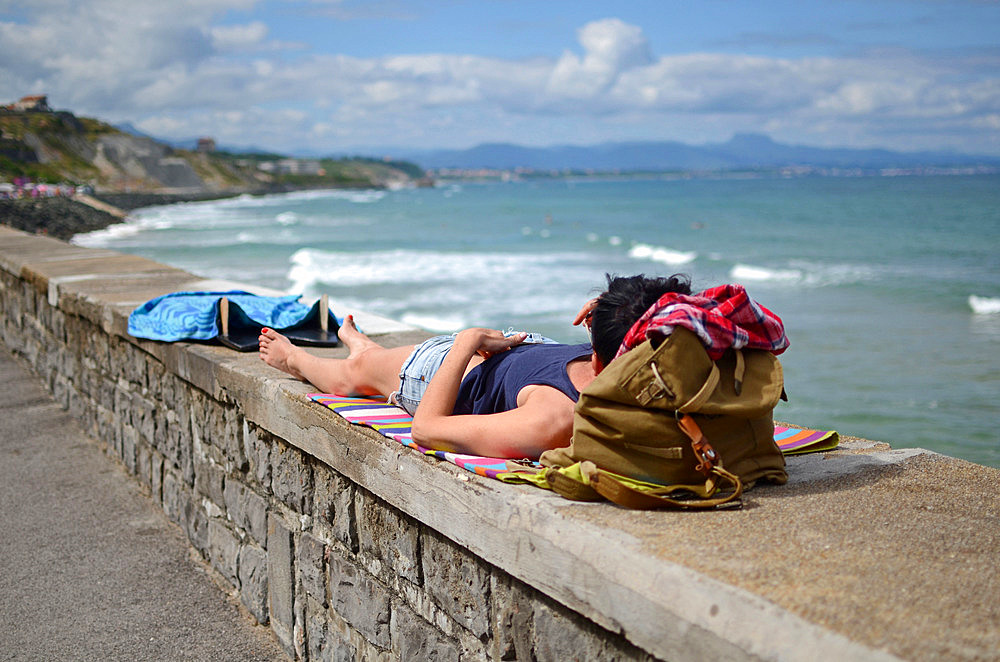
(619, 492)
(584, 481)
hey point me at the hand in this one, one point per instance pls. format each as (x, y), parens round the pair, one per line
(488, 342)
(583, 317)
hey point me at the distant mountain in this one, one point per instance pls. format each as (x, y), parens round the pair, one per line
(743, 151)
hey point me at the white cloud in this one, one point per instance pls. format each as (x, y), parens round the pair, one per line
(175, 69)
(611, 47)
(238, 37)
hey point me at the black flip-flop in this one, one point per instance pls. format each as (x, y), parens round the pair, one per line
(238, 331)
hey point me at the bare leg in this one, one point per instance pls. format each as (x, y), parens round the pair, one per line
(369, 369)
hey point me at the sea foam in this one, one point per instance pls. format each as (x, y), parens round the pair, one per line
(106, 236)
(661, 254)
(746, 272)
(312, 266)
(984, 305)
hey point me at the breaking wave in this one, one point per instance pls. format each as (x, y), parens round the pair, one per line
(984, 305)
(661, 254)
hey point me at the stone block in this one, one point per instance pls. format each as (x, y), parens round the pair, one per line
(201, 431)
(231, 441)
(144, 418)
(43, 311)
(253, 582)
(457, 581)
(167, 437)
(413, 638)
(177, 396)
(106, 394)
(122, 402)
(299, 629)
(129, 444)
(113, 436)
(156, 475)
(257, 449)
(155, 376)
(180, 506)
(136, 366)
(316, 631)
(280, 593)
(195, 522)
(334, 504)
(512, 618)
(28, 293)
(208, 481)
(559, 631)
(310, 555)
(184, 456)
(360, 600)
(389, 536)
(291, 480)
(76, 405)
(247, 510)
(61, 391)
(173, 500)
(143, 466)
(224, 550)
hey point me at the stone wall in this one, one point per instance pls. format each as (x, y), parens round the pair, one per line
(351, 546)
(334, 570)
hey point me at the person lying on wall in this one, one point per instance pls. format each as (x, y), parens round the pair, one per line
(480, 391)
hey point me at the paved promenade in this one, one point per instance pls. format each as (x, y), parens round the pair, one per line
(73, 588)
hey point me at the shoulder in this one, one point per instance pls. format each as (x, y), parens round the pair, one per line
(545, 398)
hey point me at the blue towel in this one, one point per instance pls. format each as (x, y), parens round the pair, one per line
(192, 315)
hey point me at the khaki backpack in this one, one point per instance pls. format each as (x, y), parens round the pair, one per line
(665, 421)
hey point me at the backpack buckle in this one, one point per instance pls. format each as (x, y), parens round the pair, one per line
(707, 457)
(664, 389)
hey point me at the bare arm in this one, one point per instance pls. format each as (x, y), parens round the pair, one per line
(542, 420)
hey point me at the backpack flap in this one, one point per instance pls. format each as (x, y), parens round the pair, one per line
(678, 375)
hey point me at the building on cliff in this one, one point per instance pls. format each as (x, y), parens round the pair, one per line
(34, 103)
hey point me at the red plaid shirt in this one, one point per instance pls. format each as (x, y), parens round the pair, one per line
(722, 317)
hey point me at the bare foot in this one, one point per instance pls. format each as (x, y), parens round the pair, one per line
(354, 340)
(276, 351)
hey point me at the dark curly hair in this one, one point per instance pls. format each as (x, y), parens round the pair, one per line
(624, 302)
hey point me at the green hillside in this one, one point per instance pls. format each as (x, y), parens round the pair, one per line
(59, 147)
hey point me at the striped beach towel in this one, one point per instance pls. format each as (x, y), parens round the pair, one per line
(796, 441)
(394, 423)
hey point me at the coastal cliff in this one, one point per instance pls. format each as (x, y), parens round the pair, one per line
(59, 147)
(48, 156)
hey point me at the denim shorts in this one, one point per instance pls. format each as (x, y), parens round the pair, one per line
(417, 370)
(423, 364)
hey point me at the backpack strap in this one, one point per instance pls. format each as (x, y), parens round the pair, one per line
(704, 393)
(612, 489)
(584, 481)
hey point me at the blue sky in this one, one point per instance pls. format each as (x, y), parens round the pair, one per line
(347, 76)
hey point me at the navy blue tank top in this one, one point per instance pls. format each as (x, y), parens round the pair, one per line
(492, 386)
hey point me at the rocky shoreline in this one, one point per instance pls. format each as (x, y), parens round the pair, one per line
(57, 217)
(63, 217)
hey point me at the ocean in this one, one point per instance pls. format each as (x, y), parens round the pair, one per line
(889, 287)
